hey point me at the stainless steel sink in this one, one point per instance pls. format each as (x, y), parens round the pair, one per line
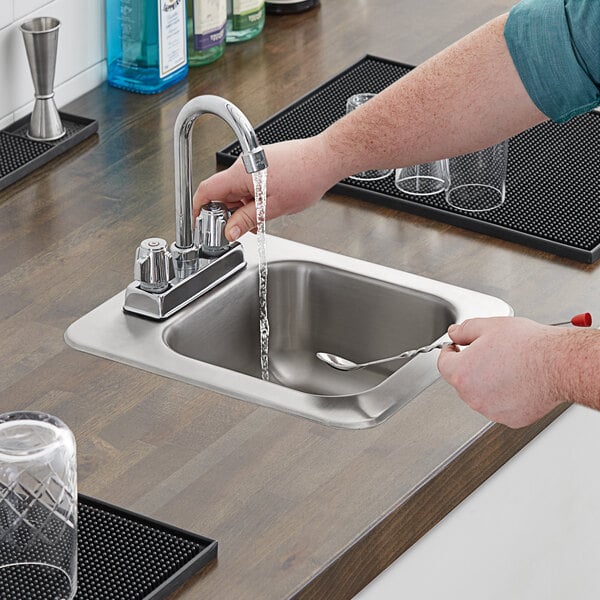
(318, 301)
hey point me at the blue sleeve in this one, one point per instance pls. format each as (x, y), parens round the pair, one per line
(555, 46)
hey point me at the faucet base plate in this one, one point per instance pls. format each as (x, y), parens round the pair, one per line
(180, 293)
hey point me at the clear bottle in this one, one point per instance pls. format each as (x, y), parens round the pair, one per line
(288, 7)
(206, 24)
(146, 44)
(245, 19)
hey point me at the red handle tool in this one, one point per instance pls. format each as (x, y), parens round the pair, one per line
(581, 320)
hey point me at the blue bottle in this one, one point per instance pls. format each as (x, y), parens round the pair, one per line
(146, 43)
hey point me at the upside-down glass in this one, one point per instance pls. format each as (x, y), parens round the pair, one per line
(425, 179)
(38, 508)
(478, 179)
(374, 174)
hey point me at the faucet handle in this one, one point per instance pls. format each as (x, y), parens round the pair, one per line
(153, 267)
(210, 229)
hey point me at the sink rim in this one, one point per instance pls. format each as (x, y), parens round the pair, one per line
(123, 337)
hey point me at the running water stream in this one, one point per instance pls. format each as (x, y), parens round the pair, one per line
(260, 197)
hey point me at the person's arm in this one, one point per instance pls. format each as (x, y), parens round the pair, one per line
(467, 97)
(514, 371)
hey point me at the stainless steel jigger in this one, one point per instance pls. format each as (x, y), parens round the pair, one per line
(41, 40)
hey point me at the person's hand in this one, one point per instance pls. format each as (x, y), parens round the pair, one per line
(509, 368)
(297, 177)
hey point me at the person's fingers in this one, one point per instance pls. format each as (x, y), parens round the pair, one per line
(447, 361)
(230, 186)
(450, 358)
(468, 331)
(241, 221)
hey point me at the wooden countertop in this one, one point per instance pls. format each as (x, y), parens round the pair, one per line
(300, 510)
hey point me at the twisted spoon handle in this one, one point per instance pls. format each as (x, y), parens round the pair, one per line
(408, 353)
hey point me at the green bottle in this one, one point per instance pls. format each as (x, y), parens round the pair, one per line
(245, 19)
(206, 22)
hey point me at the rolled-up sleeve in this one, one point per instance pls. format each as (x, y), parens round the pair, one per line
(555, 46)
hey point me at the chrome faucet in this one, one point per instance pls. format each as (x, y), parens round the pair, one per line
(201, 257)
(252, 154)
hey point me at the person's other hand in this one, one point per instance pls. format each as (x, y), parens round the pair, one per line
(297, 177)
(507, 369)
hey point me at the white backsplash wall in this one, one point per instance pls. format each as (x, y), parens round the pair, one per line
(81, 60)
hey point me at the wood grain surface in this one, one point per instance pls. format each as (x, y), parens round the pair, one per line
(300, 510)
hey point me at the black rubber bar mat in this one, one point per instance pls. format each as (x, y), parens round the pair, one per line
(20, 155)
(121, 556)
(553, 176)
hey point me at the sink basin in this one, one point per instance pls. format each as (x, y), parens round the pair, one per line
(312, 307)
(318, 301)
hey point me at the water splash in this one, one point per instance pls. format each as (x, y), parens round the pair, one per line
(260, 197)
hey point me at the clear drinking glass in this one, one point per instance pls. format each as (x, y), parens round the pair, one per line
(478, 179)
(425, 179)
(374, 174)
(38, 507)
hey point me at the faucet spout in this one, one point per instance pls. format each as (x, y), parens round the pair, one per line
(253, 157)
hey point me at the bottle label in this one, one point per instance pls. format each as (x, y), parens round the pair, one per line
(210, 17)
(172, 39)
(247, 14)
